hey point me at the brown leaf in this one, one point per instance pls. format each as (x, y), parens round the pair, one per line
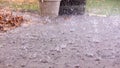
(9, 21)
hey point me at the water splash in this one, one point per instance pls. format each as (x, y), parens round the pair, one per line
(96, 37)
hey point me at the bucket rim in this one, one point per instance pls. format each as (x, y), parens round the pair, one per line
(50, 0)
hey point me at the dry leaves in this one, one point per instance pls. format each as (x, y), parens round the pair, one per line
(8, 20)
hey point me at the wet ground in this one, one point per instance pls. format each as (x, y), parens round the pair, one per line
(62, 42)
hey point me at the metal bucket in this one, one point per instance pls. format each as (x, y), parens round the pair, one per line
(49, 7)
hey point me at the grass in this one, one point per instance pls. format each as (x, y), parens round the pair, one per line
(104, 7)
(25, 7)
(21, 6)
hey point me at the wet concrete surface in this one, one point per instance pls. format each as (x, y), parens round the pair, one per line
(62, 42)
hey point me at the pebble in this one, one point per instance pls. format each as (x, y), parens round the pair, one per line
(97, 59)
(63, 46)
(89, 55)
(1, 46)
(77, 67)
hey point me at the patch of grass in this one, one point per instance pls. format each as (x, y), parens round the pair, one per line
(105, 7)
(25, 6)
(21, 6)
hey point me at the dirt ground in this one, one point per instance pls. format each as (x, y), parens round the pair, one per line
(62, 42)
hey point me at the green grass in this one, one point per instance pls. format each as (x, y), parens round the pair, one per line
(25, 7)
(104, 7)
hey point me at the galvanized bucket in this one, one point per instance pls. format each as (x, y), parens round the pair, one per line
(49, 7)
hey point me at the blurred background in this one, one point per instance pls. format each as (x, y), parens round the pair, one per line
(103, 7)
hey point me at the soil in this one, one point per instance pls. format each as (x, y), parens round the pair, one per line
(62, 42)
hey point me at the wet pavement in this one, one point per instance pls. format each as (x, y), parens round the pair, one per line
(62, 42)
